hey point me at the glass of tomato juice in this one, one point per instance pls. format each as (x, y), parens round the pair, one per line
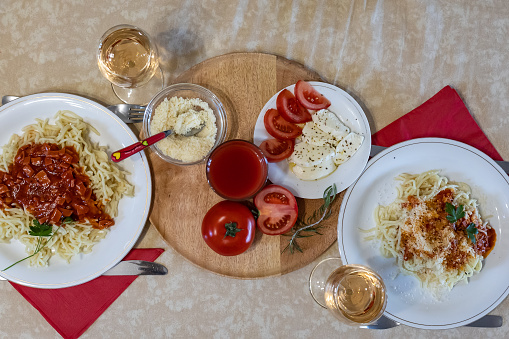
(237, 170)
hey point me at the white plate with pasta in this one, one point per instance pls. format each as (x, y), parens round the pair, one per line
(78, 253)
(408, 303)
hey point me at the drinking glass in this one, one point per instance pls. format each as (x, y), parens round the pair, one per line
(128, 58)
(354, 294)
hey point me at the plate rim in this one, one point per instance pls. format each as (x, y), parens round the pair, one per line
(67, 97)
(374, 160)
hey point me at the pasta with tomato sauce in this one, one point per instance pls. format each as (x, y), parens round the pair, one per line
(429, 243)
(54, 174)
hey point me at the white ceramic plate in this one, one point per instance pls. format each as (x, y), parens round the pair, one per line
(133, 211)
(407, 303)
(352, 115)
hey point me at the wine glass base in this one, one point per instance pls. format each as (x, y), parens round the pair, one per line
(318, 278)
(143, 94)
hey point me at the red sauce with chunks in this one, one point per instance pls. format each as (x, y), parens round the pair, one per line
(47, 181)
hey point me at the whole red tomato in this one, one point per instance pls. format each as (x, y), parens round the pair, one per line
(228, 228)
(277, 208)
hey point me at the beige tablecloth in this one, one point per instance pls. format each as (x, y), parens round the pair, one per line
(390, 55)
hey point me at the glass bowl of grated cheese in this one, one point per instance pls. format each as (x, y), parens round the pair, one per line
(181, 107)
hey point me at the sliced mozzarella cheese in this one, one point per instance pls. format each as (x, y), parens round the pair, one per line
(314, 172)
(329, 123)
(313, 135)
(307, 155)
(347, 147)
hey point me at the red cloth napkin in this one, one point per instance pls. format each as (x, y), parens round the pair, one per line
(72, 310)
(442, 116)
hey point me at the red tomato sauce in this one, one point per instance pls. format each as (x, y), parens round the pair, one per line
(47, 181)
(237, 170)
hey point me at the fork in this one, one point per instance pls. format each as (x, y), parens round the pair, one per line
(126, 112)
(486, 321)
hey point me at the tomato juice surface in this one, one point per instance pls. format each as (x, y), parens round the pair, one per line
(237, 170)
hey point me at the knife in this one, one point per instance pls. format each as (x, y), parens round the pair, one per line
(137, 267)
(377, 149)
(134, 267)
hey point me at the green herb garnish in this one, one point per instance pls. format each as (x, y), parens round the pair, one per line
(311, 224)
(38, 230)
(454, 214)
(472, 231)
(68, 220)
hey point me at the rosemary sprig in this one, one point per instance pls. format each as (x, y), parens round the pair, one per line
(39, 230)
(310, 226)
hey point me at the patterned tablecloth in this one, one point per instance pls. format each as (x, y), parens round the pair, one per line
(390, 55)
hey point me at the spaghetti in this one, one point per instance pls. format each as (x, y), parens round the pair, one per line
(416, 229)
(49, 149)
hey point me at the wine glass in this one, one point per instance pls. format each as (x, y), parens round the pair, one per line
(354, 294)
(128, 58)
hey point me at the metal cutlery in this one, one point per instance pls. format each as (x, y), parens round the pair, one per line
(486, 321)
(137, 267)
(8, 98)
(127, 113)
(134, 267)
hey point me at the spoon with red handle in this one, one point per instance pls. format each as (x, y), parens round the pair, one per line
(141, 145)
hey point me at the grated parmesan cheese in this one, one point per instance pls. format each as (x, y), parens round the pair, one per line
(426, 235)
(181, 115)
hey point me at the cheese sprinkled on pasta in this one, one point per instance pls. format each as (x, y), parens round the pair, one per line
(415, 230)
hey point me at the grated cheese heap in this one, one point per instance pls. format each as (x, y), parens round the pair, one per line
(426, 234)
(181, 115)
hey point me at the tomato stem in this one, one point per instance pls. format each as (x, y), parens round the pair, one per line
(231, 229)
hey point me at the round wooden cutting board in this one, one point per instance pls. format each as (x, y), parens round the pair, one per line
(244, 82)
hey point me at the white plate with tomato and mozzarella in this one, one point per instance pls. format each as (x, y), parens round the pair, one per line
(314, 135)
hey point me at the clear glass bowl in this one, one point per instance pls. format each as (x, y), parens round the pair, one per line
(186, 91)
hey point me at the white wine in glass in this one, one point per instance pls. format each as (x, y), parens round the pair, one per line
(354, 294)
(128, 58)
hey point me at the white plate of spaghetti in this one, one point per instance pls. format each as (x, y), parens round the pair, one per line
(56, 179)
(392, 220)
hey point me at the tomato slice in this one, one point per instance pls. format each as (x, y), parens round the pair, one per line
(276, 150)
(290, 109)
(277, 210)
(309, 97)
(228, 228)
(278, 127)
